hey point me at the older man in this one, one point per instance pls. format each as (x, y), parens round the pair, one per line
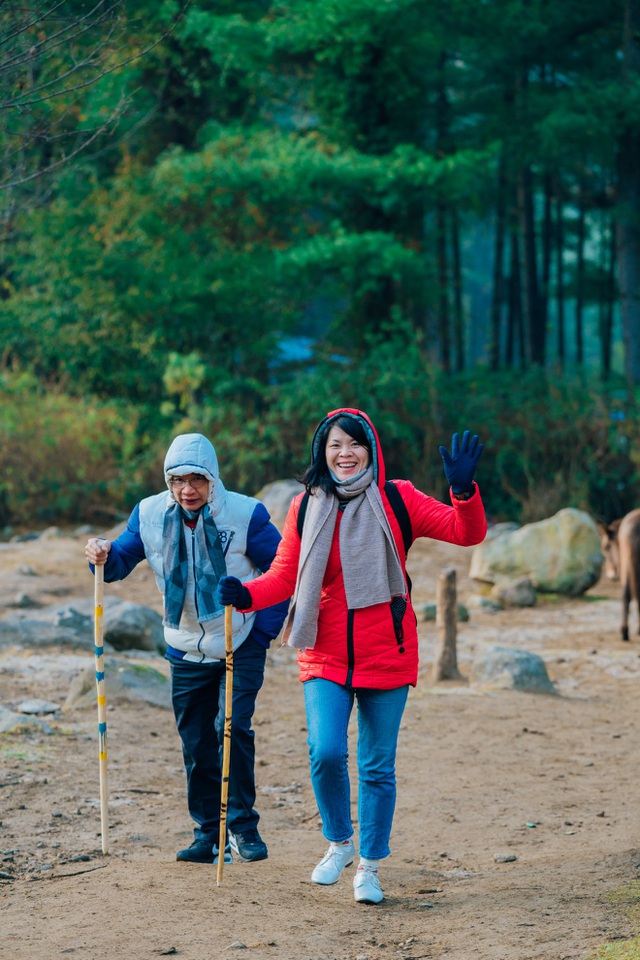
(193, 534)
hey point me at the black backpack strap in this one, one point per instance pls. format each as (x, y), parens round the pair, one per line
(402, 514)
(302, 512)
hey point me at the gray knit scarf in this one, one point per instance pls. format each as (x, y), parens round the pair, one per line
(369, 558)
(209, 565)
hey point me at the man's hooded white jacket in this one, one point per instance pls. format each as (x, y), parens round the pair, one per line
(249, 542)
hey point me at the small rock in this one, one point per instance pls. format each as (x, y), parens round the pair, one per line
(484, 603)
(71, 618)
(429, 612)
(519, 592)
(25, 570)
(509, 668)
(13, 722)
(504, 857)
(238, 945)
(37, 707)
(23, 600)
(51, 533)
(86, 530)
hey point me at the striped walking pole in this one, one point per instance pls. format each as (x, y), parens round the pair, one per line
(102, 702)
(226, 746)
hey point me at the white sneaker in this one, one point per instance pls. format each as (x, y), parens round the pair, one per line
(337, 857)
(366, 886)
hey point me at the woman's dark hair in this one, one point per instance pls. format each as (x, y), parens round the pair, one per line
(317, 473)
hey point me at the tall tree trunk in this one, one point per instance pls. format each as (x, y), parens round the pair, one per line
(628, 213)
(534, 326)
(443, 287)
(458, 302)
(498, 267)
(442, 149)
(580, 276)
(515, 328)
(560, 323)
(546, 240)
(606, 331)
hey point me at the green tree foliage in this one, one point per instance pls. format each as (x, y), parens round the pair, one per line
(422, 189)
(66, 459)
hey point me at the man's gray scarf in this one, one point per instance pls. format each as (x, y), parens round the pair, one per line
(208, 562)
(369, 558)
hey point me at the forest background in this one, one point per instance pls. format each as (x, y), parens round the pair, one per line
(231, 217)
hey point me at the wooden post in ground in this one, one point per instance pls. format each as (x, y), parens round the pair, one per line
(445, 666)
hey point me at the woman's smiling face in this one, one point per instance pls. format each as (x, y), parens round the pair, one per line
(345, 456)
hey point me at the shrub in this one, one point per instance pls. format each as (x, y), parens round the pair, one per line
(64, 459)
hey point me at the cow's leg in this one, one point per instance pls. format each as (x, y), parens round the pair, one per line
(626, 599)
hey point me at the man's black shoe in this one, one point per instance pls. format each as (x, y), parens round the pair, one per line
(248, 845)
(200, 851)
(204, 851)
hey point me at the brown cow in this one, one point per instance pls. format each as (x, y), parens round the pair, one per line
(621, 547)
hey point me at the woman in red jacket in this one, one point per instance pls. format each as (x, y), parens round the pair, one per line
(343, 560)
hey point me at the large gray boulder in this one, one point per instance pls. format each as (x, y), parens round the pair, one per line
(13, 722)
(126, 626)
(37, 633)
(508, 669)
(559, 555)
(126, 681)
(131, 626)
(277, 497)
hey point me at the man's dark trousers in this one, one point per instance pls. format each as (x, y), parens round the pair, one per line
(198, 695)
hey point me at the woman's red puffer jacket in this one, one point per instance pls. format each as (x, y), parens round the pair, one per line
(361, 648)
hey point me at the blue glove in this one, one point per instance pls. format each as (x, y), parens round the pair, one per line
(232, 593)
(460, 465)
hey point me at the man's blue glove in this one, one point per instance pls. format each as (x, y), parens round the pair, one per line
(232, 593)
(460, 465)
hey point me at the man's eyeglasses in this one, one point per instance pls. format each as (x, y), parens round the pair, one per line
(197, 481)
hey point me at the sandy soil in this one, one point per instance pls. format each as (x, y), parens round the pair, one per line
(483, 775)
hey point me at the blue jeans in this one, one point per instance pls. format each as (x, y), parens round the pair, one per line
(329, 707)
(198, 694)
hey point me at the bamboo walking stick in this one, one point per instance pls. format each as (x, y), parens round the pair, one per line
(226, 746)
(102, 702)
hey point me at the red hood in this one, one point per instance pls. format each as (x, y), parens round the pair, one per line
(378, 460)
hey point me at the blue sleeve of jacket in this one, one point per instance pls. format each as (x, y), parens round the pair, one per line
(127, 550)
(263, 538)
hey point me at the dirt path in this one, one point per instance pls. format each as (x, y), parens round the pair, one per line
(483, 776)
